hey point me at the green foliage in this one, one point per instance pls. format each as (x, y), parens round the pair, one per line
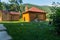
(16, 1)
(4, 6)
(13, 7)
(16, 5)
(56, 19)
(31, 31)
(0, 6)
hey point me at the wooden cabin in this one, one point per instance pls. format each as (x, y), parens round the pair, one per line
(33, 14)
(14, 16)
(9, 16)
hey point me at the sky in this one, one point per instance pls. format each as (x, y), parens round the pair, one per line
(37, 2)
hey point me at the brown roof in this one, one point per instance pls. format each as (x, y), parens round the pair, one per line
(14, 12)
(3, 11)
(34, 9)
(0, 10)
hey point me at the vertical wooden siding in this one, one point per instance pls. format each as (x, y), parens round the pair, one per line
(14, 17)
(40, 16)
(5, 17)
(32, 16)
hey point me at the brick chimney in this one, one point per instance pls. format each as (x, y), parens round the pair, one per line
(26, 8)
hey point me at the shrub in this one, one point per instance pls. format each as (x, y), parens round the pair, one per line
(56, 20)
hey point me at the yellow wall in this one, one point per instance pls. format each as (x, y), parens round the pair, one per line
(26, 16)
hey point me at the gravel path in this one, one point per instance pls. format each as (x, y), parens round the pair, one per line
(3, 34)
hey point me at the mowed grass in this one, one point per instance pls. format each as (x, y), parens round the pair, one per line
(31, 31)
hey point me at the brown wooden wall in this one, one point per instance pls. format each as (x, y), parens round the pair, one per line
(32, 16)
(5, 16)
(9, 17)
(14, 17)
(40, 16)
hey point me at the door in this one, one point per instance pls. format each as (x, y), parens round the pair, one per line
(24, 18)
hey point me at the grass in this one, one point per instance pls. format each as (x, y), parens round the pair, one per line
(9, 21)
(31, 31)
(20, 20)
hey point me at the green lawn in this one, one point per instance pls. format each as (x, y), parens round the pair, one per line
(31, 31)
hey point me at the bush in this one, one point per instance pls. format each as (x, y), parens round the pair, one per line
(56, 20)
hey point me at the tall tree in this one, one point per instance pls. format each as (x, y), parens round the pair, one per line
(56, 17)
(0, 6)
(16, 3)
(3, 6)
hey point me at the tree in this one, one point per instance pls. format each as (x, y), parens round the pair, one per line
(17, 3)
(0, 6)
(5, 6)
(56, 18)
(56, 21)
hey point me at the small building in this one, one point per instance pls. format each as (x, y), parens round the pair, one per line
(9, 16)
(14, 16)
(33, 14)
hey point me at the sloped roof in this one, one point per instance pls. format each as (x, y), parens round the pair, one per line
(0, 10)
(3, 11)
(11, 12)
(14, 12)
(34, 9)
